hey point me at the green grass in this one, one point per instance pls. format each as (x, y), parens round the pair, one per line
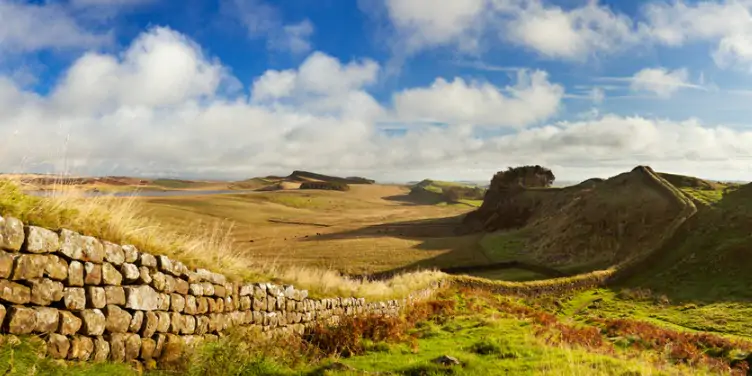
(506, 245)
(19, 358)
(511, 274)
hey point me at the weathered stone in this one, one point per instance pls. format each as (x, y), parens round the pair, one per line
(220, 291)
(163, 325)
(246, 290)
(176, 323)
(129, 272)
(57, 346)
(214, 305)
(92, 273)
(164, 302)
(11, 234)
(165, 264)
(110, 275)
(163, 282)
(117, 320)
(15, 293)
(209, 276)
(191, 307)
(208, 289)
(202, 305)
(160, 340)
(202, 325)
(3, 312)
(29, 267)
(259, 290)
(101, 349)
(230, 304)
(117, 347)
(93, 250)
(75, 273)
(147, 260)
(148, 346)
(81, 348)
(6, 264)
(189, 325)
(55, 268)
(181, 286)
(71, 245)
(137, 321)
(172, 349)
(151, 321)
(95, 297)
(273, 290)
(113, 253)
(280, 303)
(259, 304)
(74, 298)
(142, 298)
(21, 320)
(144, 275)
(196, 289)
(69, 323)
(114, 295)
(40, 240)
(93, 322)
(245, 303)
(47, 320)
(130, 253)
(177, 303)
(271, 303)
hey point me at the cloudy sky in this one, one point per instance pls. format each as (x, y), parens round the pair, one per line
(390, 89)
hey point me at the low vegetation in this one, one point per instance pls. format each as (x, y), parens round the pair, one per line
(325, 185)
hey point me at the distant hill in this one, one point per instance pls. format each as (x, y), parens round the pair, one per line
(302, 176)
(435, 191)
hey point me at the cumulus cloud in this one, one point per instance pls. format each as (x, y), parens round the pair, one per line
(262, 20)
(533, 99)
(159, 108)
(32, 27)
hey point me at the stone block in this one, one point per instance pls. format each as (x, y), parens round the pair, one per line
(202, 325)
(163, 325)
(245, 303)
(47, 320)
(130, 272)
(74, 298)
(40, 240)
(220, 291)
(57, 346)
(147, 260)
(113, 253)
(101, 349)
(163, 282)
(114, 295)
(21, 320)
(28, 267)
(117, 319)
(81, 348)
(70, 324)
(191, 307)
(6, 264)
(75, 274)
(176, 323)
(110, 275)
(130, 253)
(208, 289)
(45, 291)
(93, 322)
(92, 274)
(208, 276)
(196, 289)
(137, 322)
(271, 303)
(148, 346)
(151, 321)
(246, 290)
(164, 302)
(189, 325)
(172, 348)
(93, 250)
(117, 347)
(259, 304)
(15, 293)
(259, 291)
(11, 234)
(177, 303)
(56, 268)
(160, 340)
(144, 275)
(202, 305)
(143, 298)
(71, 245)
(182, 286)
(95, 297)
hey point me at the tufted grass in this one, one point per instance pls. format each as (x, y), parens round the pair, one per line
(205, 245)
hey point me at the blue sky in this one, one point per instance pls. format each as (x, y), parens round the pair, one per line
(396, 90)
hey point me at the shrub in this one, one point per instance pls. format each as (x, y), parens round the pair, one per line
(326, 185)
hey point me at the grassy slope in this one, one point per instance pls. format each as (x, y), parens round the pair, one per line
(431, 192)
(585, 228)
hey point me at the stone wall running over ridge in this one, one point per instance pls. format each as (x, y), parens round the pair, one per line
(90, 299)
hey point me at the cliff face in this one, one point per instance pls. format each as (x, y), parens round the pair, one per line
(597, 224)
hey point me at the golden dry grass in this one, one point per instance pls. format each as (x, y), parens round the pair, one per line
(208, 243)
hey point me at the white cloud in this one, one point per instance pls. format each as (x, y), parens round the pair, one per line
(107, 117)
(533, 99)
(29, 27)
(661, 81)
(262, 20)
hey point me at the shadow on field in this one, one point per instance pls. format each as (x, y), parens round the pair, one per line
(437, 234)
(418, 197)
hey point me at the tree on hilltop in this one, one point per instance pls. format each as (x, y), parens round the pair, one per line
(526, 176)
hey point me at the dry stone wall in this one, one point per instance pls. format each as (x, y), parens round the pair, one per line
(90, 299)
